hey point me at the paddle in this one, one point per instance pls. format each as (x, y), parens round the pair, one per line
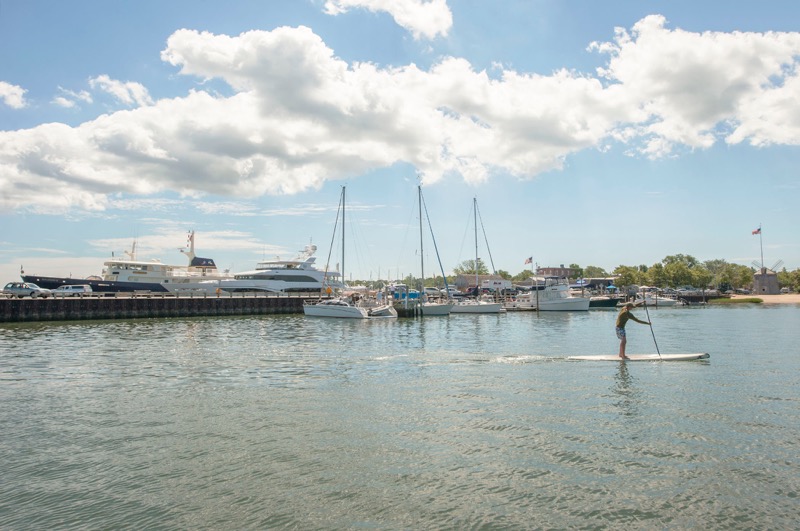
(651, 329)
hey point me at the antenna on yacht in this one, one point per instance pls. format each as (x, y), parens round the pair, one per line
(132, 252)
(190, 245)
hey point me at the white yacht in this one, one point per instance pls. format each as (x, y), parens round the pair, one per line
(548, 294)
(128, 274)
(298, 275)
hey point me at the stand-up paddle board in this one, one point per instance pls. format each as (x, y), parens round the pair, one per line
(644, 357)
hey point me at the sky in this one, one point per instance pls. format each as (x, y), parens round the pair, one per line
(589, 133)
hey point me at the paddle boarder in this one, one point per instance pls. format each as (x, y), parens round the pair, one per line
(622, 319)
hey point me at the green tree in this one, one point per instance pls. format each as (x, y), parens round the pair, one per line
(627, 276)
(656, 276)
(685, 259)
(701, 277)
(594, 272)
(578, 270)
(677, 273)
(504, 274)
(467, 267)
(523, 275)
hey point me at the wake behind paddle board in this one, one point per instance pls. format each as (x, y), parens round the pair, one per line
(644, 357)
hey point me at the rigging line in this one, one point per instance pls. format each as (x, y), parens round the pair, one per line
(333, 236)
(483, 229)
(435, 248)
(464, 237)
(402, 253)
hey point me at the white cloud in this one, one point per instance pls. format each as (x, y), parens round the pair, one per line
(130, 93)
(693, 87)
(299, 116)
(69, 99)
(423, 18)
(12, 95)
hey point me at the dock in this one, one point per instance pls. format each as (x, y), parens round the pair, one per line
(147, 305)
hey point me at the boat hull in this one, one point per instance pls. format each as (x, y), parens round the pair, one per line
(603, 302)
(335, 311)
(433, 308)
(477, 307)
(102, 286)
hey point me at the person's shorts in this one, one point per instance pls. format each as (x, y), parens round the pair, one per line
(620, 333)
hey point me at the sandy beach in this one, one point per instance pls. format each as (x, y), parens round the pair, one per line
(788, 298)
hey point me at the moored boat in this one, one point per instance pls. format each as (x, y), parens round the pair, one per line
(342, 306)
(548, 294)
(129, 274)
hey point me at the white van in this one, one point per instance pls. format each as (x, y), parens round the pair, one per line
(72, 290)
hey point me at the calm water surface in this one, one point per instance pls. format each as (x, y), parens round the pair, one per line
(459, 422)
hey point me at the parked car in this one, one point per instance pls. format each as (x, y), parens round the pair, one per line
(432, 292)
(452, 292)
(25, 289)
(72, 290)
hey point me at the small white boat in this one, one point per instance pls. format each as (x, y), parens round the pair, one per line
(477, 306)
(549, 295)
(653, 299)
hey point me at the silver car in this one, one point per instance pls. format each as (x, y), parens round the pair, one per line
(25, 289)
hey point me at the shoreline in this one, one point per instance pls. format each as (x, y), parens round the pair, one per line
(786, 298)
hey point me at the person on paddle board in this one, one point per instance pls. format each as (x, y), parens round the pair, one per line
(622, 319)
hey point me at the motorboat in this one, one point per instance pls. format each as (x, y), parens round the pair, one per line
(298, 275)
(603, 301)
(481, 305)
(342, 306)
(654, 299)
(348, 308)
(548, 294)
(128, 274)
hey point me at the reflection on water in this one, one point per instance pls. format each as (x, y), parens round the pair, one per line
(466, 421)
(626, 391)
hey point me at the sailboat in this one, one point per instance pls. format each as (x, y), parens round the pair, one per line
(341, 306)
(430, 307)
(477, 305)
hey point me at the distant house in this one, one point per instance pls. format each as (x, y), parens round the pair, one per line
(464, 282)
(560, 272)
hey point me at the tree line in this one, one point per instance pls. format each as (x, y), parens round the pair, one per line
(672, 272)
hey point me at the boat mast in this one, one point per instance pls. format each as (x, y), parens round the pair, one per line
(343, 200)
(475, 216)
(421, 255)
(435, 247)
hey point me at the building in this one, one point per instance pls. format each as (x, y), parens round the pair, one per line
(560, 272)
(765, 282)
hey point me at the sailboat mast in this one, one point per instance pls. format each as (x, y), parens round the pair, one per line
(475, 216)
(343, 231)
(421, 255)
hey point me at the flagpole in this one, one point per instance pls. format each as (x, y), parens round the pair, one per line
(761, 243)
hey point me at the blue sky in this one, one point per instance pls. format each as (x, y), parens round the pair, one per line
(596, 133)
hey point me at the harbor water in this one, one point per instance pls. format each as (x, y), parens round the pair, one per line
(465, 422)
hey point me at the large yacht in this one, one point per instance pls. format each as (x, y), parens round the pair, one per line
(298, 275)
(127, 274)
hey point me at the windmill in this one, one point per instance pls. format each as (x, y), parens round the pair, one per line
(766, 280)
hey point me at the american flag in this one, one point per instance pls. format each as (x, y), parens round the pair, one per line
(529, 260)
